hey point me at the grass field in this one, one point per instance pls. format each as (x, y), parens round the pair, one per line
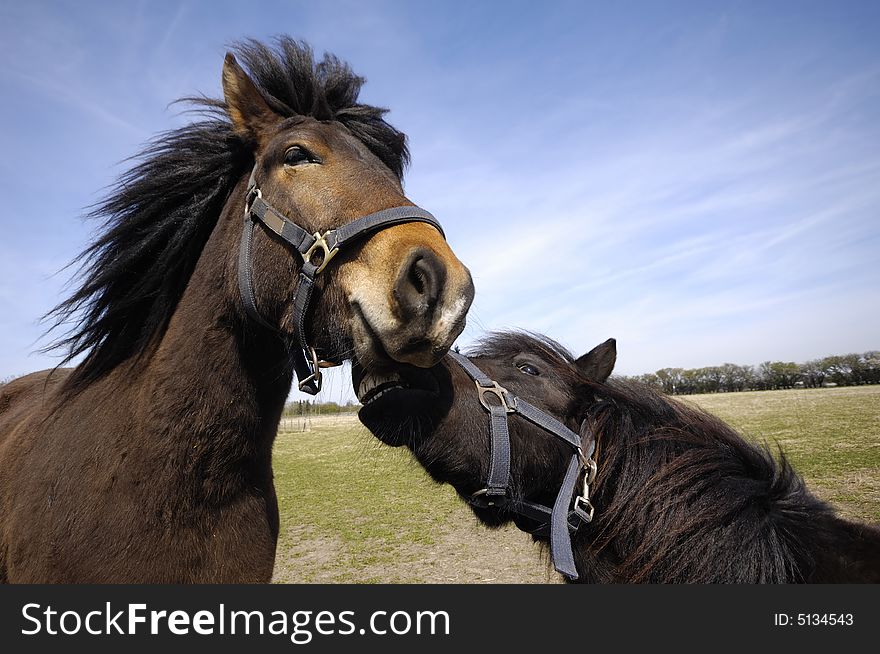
(354, 510)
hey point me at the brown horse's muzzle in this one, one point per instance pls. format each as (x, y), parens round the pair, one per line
(431, 308)
(410, 308)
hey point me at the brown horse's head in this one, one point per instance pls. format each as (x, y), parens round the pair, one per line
(438, 415)
(173, 231)
(399, 295)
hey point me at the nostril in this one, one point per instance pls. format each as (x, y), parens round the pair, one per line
(417, 277)
(420, 284)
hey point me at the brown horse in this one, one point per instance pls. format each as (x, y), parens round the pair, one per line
(151, 460)
(679, 497)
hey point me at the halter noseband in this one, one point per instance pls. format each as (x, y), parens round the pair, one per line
(316, 251)
(566, 515)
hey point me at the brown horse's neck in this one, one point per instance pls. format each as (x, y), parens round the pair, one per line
(216, 384)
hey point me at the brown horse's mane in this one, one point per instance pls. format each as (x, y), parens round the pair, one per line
(159, 214)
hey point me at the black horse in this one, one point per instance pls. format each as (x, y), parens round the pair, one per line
(679, 496)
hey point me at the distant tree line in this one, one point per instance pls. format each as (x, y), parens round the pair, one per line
(843, 370)
(313, 408)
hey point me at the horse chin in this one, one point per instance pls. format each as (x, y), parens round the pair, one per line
(494, 517)
(527, 525)
(398, 402)
(369, 352)
(491, 517)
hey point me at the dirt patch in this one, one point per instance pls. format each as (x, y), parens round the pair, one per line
(307, 554)
(466, 553)
(476, 555)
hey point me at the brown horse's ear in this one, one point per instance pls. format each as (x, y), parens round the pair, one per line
(245, 104)
(597, 364)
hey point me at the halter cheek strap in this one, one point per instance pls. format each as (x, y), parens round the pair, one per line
(316, 250)
(567, 514)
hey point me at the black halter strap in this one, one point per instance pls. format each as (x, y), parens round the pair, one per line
(568, 512)
(316, 251)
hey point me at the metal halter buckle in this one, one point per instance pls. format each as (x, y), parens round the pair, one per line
(320, 244)
(584, 509)
(498, 391)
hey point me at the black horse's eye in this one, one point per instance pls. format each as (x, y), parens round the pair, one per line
(297, 155)
(528, 369)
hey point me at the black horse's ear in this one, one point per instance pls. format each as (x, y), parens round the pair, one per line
(245, 104)
(597, 364)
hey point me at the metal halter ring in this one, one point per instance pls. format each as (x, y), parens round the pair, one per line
(316, 375)
(252, 194)
(320, 244)
(317, 366)
(590, 473)
(498, 391)
(491, 498)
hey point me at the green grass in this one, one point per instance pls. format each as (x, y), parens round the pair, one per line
(354, 510)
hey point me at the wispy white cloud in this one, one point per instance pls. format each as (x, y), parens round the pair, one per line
(699, 236)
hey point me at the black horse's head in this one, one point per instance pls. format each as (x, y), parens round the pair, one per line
(438, 415)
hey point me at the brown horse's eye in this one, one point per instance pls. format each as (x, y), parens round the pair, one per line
(528, 369)
(297, 155)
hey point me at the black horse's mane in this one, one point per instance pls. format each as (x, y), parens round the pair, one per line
(501, 344)
(685, 498)
(160, 213)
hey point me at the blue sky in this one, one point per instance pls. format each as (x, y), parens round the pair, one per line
(699, 180)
